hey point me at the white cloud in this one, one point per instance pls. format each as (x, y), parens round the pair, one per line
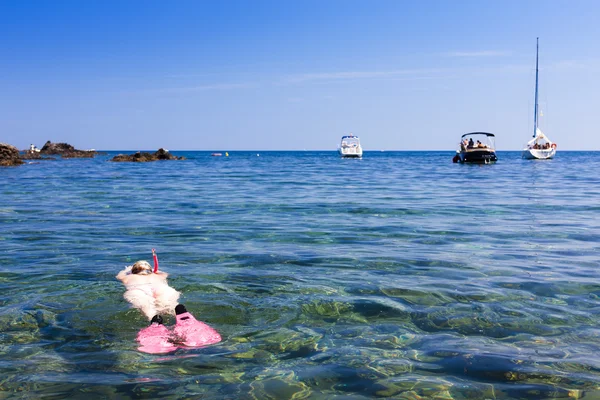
(571, 65)
(485, 53)
(348, 75)
(214, 86)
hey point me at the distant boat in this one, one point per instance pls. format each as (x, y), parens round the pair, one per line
(216, 154)
(350, 147)
(34, 149)
(540, 147)
(476, 148)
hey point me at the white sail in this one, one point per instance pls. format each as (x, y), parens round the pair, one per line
(539, 138)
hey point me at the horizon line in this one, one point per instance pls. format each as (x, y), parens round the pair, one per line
(306, 150)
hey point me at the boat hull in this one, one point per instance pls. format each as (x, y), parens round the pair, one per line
(538, 154)
(478, 156)
(351, 153)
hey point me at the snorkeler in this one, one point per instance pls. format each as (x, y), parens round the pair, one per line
(148, 290)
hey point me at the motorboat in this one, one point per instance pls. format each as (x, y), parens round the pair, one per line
(33, 149)
(476, 148)
(540, 147)
(350, 147)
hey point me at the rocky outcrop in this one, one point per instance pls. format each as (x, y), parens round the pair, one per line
(34, 155)
(9, 155)
(30, 155)
(137, 157)
(161, 154)
(56, 148)
(65, 150)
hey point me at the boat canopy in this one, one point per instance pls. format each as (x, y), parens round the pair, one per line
(485, 141)
(479, 133)
(350, 137)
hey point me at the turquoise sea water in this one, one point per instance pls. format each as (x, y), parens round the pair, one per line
(401, 275)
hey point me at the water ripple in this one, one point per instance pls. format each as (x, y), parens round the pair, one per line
(398, 275)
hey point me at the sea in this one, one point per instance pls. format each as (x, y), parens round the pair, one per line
(399, 275)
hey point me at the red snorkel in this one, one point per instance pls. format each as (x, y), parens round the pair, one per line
(155, 257)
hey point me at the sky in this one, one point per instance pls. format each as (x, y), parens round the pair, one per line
(296, 75)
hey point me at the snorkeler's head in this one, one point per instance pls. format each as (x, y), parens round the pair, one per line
(141, 267)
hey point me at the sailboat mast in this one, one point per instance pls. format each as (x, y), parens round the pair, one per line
(535, 112)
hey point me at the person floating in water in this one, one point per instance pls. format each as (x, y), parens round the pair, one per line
(149, 291)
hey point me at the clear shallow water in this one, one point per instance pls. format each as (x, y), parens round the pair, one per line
(399, 275)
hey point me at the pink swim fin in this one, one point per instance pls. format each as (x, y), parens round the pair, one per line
(155, 339)
(191, 332)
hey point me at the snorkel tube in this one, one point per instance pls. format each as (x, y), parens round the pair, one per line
(155, 257)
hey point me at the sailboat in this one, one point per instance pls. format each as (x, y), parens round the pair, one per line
(540, 147)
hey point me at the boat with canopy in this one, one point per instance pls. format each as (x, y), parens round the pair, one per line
(350, 147)
(476, 148)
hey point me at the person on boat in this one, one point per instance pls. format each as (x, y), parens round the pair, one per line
(471, 143)
(148, 291)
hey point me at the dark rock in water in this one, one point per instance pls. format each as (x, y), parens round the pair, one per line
(79, 154)
(56, 148)
(65, 150)
(9, 155)
(161, 154)
(30, 155)
(34, 155)
(137, 157)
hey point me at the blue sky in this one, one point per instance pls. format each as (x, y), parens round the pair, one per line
(286, 75)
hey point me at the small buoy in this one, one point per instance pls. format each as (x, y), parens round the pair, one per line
(257, 155)
(226, 154)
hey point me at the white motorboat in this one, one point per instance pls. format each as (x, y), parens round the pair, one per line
(350, 147)
(540, 147)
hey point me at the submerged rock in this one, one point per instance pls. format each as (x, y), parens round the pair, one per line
(9, 155)
(161, 154)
